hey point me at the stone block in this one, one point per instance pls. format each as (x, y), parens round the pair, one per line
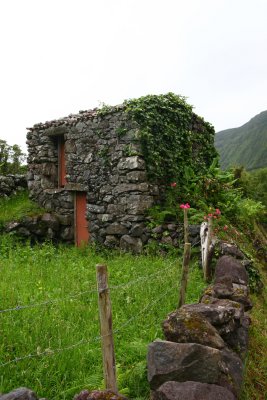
(136, 176)
(95, 208)
(181, 362)
(131, 163)
(131, 244)
(187, 326)
(168, 361)
(138, 204)
(116, 229)
(230, 267)
(191, 390)
(219, 312)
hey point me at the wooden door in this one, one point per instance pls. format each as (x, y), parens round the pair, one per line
(61, 162)
(81, 223)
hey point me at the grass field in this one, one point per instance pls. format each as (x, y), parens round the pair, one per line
(54, 348)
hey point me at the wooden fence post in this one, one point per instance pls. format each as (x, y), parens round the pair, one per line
(186, 227)
(105, 315)
(184, 278)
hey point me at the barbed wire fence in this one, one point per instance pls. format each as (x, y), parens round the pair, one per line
(75, 296)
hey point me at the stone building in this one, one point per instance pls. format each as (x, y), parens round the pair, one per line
(88, 170)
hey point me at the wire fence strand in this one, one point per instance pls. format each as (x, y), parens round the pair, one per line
(50, 352)
(77, 295)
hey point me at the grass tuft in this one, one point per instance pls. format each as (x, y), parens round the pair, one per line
(17, 206)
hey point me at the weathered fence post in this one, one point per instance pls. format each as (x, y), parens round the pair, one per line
(206, 248)
(184, 277)
(105, 316)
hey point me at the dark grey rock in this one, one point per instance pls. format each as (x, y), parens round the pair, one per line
(219, 312)
(191, 390)
(116, 229)
(231, 250)
(227, 266)
(21, 393)
(131, 244)
(180, 362)
(137, 230)
(50, 221)
(168, 361)
(237, 339)
(99, 395)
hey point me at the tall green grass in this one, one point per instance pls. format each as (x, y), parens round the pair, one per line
(255, 377)
(61, 338)
(17, 206)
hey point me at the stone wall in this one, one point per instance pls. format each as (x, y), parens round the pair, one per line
(202, 356)
(104, 159)
(10, 184)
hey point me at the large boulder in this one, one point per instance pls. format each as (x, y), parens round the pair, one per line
(181, 362)
(188, 326)
(191, 390)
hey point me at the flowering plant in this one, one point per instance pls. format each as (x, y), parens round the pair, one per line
(185, 206)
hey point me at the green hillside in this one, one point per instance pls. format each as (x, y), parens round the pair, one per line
(246, 145)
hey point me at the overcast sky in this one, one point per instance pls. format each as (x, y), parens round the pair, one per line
(62, 56)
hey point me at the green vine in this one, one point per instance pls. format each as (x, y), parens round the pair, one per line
(171, 135)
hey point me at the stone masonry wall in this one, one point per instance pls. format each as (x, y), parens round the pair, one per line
(109, 168)
(10, 184)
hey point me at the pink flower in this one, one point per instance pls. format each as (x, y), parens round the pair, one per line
(210, 215)
(205, 217)
(225, 227)
(217, 211)
(173, 184)
(185, 206)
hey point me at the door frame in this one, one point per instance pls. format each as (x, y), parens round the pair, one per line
(75, 217)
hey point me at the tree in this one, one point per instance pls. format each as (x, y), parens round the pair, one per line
(11, 159)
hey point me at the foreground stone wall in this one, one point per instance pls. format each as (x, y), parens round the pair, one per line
(202, 356)
(10, 184)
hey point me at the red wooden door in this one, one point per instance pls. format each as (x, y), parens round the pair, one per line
(61, 162)
(81, 223)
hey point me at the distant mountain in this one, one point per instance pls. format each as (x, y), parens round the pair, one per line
(246, 145)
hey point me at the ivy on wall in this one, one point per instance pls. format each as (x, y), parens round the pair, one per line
(171, 135)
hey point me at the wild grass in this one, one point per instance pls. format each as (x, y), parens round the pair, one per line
(17, 206)
(57, 344)
(255, 379)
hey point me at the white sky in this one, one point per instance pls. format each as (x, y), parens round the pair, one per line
(62, 56)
